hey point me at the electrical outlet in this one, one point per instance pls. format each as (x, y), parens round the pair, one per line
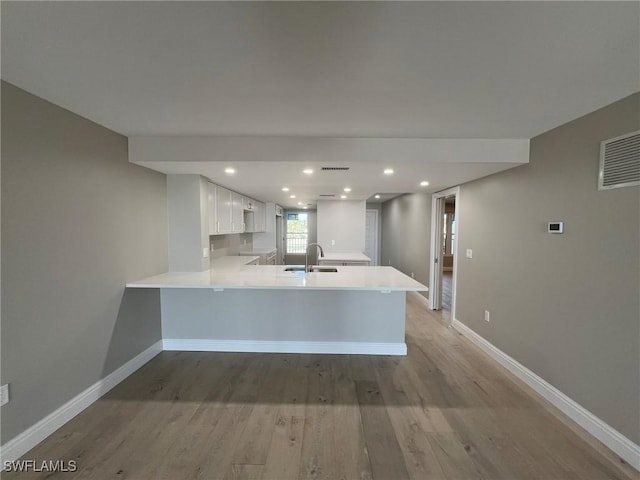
(4, 394)
(487, 315)
(333, 242)
(412, 276)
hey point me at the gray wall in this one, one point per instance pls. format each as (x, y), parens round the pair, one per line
(78, 221)
(188, 219)
(406, 235)
(341, 222)
(565, 306)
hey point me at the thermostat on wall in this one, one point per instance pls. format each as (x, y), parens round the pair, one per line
(555, 227)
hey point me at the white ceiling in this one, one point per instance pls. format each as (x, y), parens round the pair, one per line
(491, 70)
(264, 165)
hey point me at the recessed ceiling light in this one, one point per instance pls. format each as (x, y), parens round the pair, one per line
(305, 208)
(424, 183)
(377, 196)
(347, 189)
(292, 196)
(285, 189)
(388, 171)
(300, 203)
(229, 171)
(307, 171)
(343, 196)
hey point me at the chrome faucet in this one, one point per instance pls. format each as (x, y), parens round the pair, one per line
(306, 255)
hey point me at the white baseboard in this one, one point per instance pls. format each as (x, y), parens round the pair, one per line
(21, 444)
(421, 298)
(354, 348)
(618, 443)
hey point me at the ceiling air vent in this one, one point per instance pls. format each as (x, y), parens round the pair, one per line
(334, 169)
(327, 195)
(620, 162)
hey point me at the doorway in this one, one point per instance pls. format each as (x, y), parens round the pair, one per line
(444, 251)
(371, 236)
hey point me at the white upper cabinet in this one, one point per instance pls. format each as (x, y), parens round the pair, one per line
(237, 213)
(228, 211)
(255, 220)
(211, 206)
(223, 209)
(260, 217)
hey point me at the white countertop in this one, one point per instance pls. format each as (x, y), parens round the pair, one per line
(344, 257)
(258, 251)
(231, 262)
(274, 277)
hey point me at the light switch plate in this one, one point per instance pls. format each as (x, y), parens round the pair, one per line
(4, 394)
(469, 253)
(205, 252)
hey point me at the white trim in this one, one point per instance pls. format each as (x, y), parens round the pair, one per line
(261, 346)
(434, 285)
(435, 242)
(22, 443)
(420, 298)
(613, 439)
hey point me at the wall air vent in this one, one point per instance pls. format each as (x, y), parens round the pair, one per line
(620, 162)
(334, 169)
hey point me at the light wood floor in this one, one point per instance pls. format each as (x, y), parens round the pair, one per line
(445, 411)
(447, 284)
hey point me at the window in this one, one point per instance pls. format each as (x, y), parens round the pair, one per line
(297, 232)
(448, 234)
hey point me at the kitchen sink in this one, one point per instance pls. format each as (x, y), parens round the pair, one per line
(312, 269)
(294, 269)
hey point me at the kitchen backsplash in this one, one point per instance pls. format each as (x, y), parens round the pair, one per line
(232, 244)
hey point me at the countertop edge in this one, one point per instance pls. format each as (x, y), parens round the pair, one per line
(274, 287)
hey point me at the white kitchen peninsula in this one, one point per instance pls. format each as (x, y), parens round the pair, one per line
(256, 308)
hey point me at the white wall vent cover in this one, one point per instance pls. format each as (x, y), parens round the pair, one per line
(620, 162)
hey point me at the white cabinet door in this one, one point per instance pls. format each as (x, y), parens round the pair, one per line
(237, 213)
(223, 209)
(259, 217)
(211, 206)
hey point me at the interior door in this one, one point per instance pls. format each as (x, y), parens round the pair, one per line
(436, 284)
(371, 236)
